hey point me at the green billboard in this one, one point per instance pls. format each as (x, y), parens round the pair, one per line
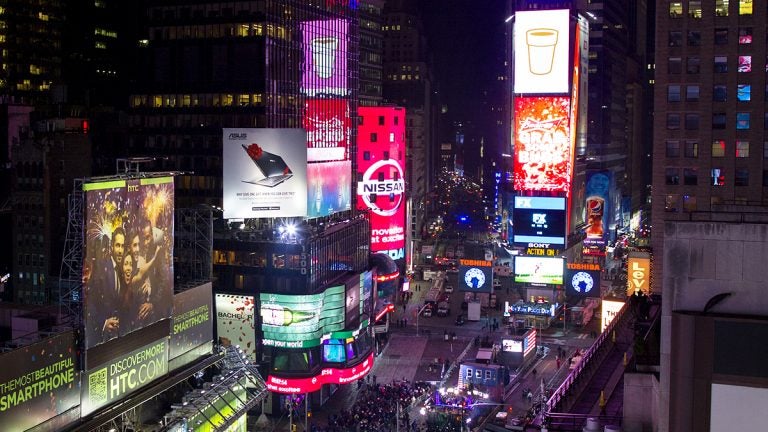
(300, 321)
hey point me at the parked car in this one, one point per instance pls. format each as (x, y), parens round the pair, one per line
(443, 310)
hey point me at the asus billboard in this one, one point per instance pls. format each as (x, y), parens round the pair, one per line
(539, 220)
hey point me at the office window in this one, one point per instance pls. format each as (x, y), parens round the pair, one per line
(675, 38)
(693, 65)
(689, 203)
(673, 148)
(719, 93)
(742, 177)
(742, 149)
(671, 202)
(744, 92)
(381, 120)
(673, 121)
(742, 120)
(673, 93)
(694, 9)
(691, 149)
(745, 7)
(718, 177)
(745, 64)
(694, 38)
(690, 176)
(745, 35)
(672, 176)
(721, 8)
(366, 155)
(721, 36)
(718, 148)
(692, 93)
(675, 65)
(676, 9)
(721, 64)
(718, 121)
(691, 121)
(374, 137)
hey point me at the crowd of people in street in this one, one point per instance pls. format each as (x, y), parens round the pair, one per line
(377, 407)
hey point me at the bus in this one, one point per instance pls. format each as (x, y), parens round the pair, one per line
(437, 290)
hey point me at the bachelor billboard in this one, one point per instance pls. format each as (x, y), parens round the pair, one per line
(236, 322)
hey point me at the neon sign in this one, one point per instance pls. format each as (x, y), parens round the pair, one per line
(326, 376)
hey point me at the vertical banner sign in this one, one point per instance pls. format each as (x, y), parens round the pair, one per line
(598, 206)
(381, 170)
(638, 273)
(325, 58)
(328, 128)
(236, 322)
(128, 267)
(265, 173)
(329, 188)
(122, 376)
(541, 45)
(38, 382)
(542, 144)
(192, 319)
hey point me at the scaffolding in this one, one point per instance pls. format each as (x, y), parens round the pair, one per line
(71, 271)
(193, 247)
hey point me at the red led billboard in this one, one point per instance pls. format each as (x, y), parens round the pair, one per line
(326, 376)
(542, 159)
(381, 171)
(328, 126)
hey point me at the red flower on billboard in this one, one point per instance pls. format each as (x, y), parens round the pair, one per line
(254, 151)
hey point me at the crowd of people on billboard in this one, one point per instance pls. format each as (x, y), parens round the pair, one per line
(127, 272)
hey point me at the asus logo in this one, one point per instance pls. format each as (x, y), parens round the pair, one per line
(238, 136)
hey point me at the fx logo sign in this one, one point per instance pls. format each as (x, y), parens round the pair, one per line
(539, 219)
(521, 202)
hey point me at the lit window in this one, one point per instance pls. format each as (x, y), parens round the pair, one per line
(742, 120)
(718, 148)
(671, 202)
(675, 9)
(745, 64)
(694, 9)
(745, 35)
(745, 7)
(691, 149)
(742, 149)
(744, 92)
(673, 93)
(718, 177)
(692, 93)
(100, 45)
(721, 8)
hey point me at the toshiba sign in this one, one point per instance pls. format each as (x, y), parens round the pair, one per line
(638, 273)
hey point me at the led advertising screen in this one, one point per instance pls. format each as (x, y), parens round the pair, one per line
(610, 310)
(366, 295)
(327, 375)
(381, 174)
(475, 275)
(527, 308)
(329, 189)
(116, 379)
(265, 173)
(582, 283)
(597, 194)
(638, 273)
(512, 345)
(236, 322)
(539, 220)
(542, 160)
(541, 44)
(325, 57)
(539, 270)
(128, 267)
(328, 129)
(192, 319)
(38, 382)
(300, 321)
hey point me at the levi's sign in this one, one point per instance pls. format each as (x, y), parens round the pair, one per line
(638, 274)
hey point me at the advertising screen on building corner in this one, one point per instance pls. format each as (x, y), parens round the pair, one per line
(381, 170)
(128, 266)
(329, 188)
(542, 160)
(300, 321)
(265, 173)
(325, 57)
(541, 45)
(328, 128)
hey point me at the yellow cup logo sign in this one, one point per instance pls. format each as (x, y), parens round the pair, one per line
(638, 275)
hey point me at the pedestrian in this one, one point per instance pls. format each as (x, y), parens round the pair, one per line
(374, 379)
(534, 375)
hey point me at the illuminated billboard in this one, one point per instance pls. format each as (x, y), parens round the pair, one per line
(541, 50)
(539, 220)
(128, 266)
(116, 379)
(300, 321)
(582, 281)
(597, 194)
(542, 160)
(329, 188)
(475, 275)
(381, 177)
(328, 128)
(192, 319)
(328, 375)
(236, 322)
(265, 173)
(638, 273)
(38, 382)
(610, 310)
(539, 270)
(512, 345)
(325, 57)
